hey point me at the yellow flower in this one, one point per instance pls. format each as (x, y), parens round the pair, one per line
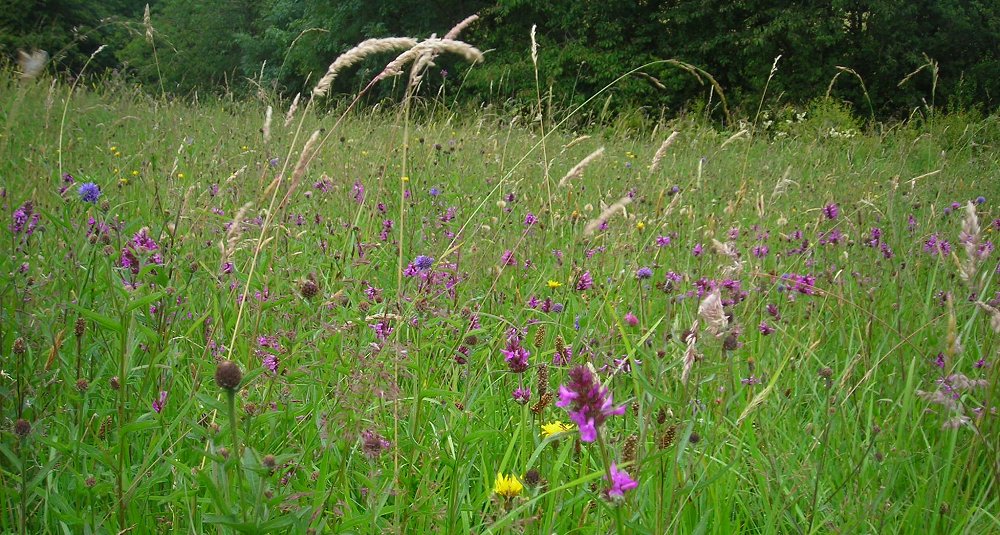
(640, 225)
(629, 154)
(508, 486)
(113, 148)
(555, 427)
(180, 175)
(554, 284)
(135, 173)
(405, 178)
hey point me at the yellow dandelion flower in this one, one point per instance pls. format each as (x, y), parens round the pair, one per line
(113, 148)
(629, 154)
(554, 284)
(117, 154)
(555, 427)
(135, 173)
(507, 486)
(180, 175)
(640, 225)
(244, 148)
(405, 178)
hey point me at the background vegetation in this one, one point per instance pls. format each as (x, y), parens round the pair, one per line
(282, 44)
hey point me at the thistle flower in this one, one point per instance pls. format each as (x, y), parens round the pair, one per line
(588, 403)
(831, 211)
(507, 486)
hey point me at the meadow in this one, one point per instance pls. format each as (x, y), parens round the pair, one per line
(436, 320)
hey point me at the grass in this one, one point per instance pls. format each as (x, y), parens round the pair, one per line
(816, 427)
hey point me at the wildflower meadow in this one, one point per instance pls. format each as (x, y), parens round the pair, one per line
(326, 314)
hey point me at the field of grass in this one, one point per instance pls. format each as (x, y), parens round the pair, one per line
(794, 323)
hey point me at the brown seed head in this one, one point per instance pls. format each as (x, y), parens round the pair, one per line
(80, 327)
(630, 448)
(228, 375)
(22, 428)
(309, 289)
(19, 346)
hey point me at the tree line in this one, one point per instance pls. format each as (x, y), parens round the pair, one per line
(884, 58)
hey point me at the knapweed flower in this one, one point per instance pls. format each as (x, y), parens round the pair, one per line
(530, 219)
(585, 282)
(643, 273)
(588, 402)
(507, 486)
(555, 427)
(620, 481)
(831, 211)
(553, 284)
(160, 402)
(697, 250)
(662, 241)
(630, 319)
(765, 329)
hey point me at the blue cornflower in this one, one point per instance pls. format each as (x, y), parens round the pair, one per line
(90, 192)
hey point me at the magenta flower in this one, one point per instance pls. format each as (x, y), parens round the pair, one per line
(631, 320)
(831, 211)
(585, 282)
(522, 395)
(620, 481)
(159, 403)
(516, 356)
(588, 403)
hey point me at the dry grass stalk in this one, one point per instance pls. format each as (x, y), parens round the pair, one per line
(734, 137)
(662, 151)
(303, 163)
(32, 64)
(148, 25)
(292, 109)
(430, 46)
(690, 353)
(575, 142)
(233, 235)
(358, 53)
(267, 124)
(534, 45)
(577, 169)
(782, 186)
(458, 28)
(710, 310)
(618, 206)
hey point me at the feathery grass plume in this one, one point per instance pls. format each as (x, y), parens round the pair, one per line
(534, 45)
(782, 186)
(433, 46)
(994, 315)
(353, 56)
(618, 206)
(32, 64)
(458, 28)
(662, 151)
(303, 163)
(577, 170)
(233, 234)
(734, 137)
(147, 24)
(267, 124)
(971, 241)
(710, 310)
(690, 353)
(292, 109)
(575, 142)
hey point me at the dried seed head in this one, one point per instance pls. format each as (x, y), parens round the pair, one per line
(661, 416)
(115, 383)
(269, 462)
(309, 289)
(826, 372)
(694, 438)
(532, 478)
(543, 402)
(19, 346)
(82, 384)
(731, 342)
(228, 375)
(667, 438)
(539, 336)
(80, 327)
(560, 345)
(543, 379)
(630, 448)
(22, 428)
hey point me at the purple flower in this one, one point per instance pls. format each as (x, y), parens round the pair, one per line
(373, 444)
(516, 356)
(522, 395)
(588, 403)
(698, 249)
(643, 273)
(270, 362)
(831, 211)
(434, 192)
(90, 192)
(585, 282)
(765, 329)
(159, 403)
(423, 262)
(980, 199)
(662, 241)
(621, 482)
(358, 191)
(507, 258)
(631, 320)
(25, 219)
(530, 219)
(760, 251)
